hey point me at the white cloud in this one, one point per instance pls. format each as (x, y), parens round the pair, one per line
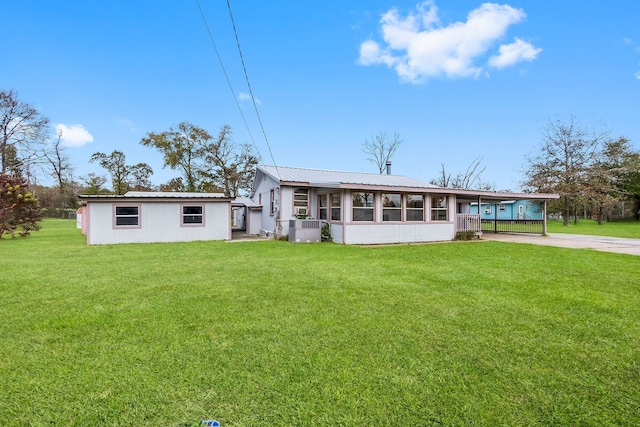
(419, 48)
(247, 97)
(510, 54)
(129, 125)
(74, 135)
(638, 75)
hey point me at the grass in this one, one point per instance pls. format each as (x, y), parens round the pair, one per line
(629, 229)
(274, 333)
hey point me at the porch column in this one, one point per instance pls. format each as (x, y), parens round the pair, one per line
(544, 218)
(479, 215)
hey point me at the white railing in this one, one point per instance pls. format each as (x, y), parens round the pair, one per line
(468, 222)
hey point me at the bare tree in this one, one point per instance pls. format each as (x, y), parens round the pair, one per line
(470, 178)
(563, 162)
(61, 169)
(381, 148)
(21, 127)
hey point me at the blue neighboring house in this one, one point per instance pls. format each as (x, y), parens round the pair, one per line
(509, 210)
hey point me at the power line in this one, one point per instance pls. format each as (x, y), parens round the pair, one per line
(224, 71)
(215, 48)
(253, 99)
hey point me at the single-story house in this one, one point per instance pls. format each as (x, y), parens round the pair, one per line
(365, 208)
(145, 217)
(509, 210)
(357, 208)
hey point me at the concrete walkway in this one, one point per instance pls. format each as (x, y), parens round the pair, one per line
(576, 241)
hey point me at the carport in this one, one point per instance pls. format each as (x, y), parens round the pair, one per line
(471, 216)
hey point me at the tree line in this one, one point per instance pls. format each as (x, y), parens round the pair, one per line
(204, 163)
(591, 171)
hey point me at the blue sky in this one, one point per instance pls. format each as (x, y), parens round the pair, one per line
(456, 79)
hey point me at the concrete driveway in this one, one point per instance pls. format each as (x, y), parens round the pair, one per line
(576, 241)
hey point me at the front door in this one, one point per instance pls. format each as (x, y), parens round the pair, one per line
(520, 212)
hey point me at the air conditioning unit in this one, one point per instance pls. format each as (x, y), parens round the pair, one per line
(304, 230)
(300, 211)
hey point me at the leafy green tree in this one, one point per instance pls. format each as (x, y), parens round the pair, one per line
(21, 127)
(182, 150)
(227, 166)
(121, 173)
(94, 184)
(175, 184)
(19, 209)
(206, 163)
(622, 164)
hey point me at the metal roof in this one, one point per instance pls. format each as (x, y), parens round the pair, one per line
(173, 194)
(154, 195)
(331, 178)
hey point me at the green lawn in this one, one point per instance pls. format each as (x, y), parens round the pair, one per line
(271, 333)
(586, 226)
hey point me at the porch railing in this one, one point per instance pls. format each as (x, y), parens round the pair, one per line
(523, 226)
(468, 222)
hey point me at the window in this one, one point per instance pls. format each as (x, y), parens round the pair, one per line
(335, 206)
(272, 202)
(391, 207)
(415, 207)
(127, 216)
(322, 206)
(300, 201)
(362, 206)
(192, 215)
(487, 209)
(528, 206)
(502, 208)
(438, 208)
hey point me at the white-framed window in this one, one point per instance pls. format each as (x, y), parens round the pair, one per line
(363, 205)
(487, 209)
(528, 206)
(502, 208)
(335, 206)
(126, 216)
(192, 215)
(415, 207)
(439, 208)
(323, 206)
(391, 207)
(300, 201)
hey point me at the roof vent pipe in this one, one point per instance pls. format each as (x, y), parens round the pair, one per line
(388, 167)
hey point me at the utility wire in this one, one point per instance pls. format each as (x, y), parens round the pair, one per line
(253, 99)
(224, 71)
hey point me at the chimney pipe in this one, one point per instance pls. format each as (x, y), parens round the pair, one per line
(388, 167)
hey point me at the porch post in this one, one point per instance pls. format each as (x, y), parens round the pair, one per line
(479, 215)
(544, 218)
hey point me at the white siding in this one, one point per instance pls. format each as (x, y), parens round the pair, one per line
(262, 194)
(374, 233)
(159, 222)
(255, 221)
